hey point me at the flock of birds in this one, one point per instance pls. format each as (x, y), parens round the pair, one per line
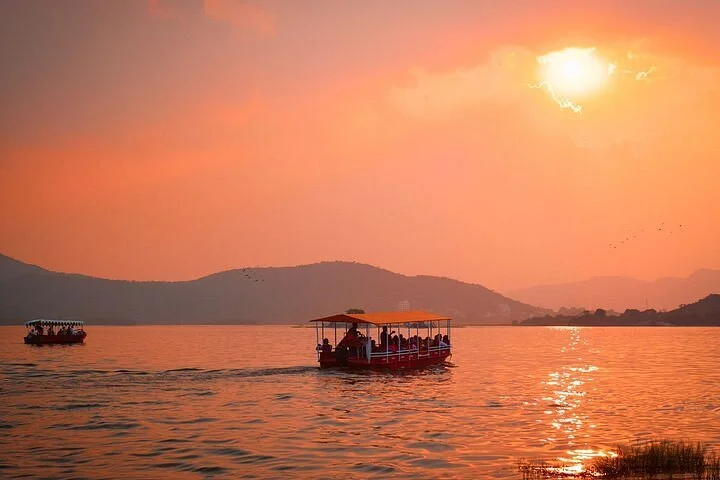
(633, 235)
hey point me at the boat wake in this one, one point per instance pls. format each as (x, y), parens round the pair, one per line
(31, 370)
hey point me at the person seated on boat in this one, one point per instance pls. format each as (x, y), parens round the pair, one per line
(394, 343)
(352, 337)
(445, 342)
(402, 342)
(326, 347)
(51, 330)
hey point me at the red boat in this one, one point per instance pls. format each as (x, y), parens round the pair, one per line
(383, 340)
(54, 332)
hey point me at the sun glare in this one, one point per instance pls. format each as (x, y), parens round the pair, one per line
(573, 74)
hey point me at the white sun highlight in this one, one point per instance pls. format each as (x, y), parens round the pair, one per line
(572, 74)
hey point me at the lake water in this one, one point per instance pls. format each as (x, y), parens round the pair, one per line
(249, 402)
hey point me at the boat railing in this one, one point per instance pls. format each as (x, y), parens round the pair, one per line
(421, 352)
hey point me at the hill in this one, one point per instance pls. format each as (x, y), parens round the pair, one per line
(704, 312)
(244, 296)
(620, 293)
(11, 268)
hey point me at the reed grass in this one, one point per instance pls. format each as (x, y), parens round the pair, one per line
(657, 459)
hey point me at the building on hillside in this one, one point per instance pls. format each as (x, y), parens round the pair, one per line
(403, 306)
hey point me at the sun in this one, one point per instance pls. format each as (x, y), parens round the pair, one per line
(574, 73)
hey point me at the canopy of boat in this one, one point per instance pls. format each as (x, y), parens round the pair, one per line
(41, 321)
(383, 318)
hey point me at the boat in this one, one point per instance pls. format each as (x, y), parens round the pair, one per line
(54, 332)
(407, 339)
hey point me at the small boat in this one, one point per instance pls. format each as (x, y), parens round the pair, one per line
(54, 332)
(409, 339)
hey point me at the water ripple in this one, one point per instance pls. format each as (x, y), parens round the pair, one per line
(231, 402)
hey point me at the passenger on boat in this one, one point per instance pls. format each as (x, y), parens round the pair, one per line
(51, 330)
(366, 343)
(353, 330)
(352, 337)
(385, 336)
(445, 342)
(326, 347)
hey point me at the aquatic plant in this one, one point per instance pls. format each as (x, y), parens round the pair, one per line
(657, 459)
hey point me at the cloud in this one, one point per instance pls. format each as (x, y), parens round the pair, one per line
(643, 99)
(241, 14)
(163, 9)
(441, 95)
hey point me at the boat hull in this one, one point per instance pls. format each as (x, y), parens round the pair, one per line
(392, 361)
(55, 339)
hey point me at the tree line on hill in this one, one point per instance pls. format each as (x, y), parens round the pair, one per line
(705, 312)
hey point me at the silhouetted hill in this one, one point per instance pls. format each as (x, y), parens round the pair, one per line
(705, 312)
(11, 268)
(248, 295)
(620, 293)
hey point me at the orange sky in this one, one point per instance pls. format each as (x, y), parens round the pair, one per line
(168, 140)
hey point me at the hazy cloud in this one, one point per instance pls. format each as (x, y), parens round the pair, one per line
(437, 95)
(241, 14)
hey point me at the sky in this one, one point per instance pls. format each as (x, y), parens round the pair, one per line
(166, 140)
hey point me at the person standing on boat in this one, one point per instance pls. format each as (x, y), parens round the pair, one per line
(354, 330)
(385, 337)
(352, 337)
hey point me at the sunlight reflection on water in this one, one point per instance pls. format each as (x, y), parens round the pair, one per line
(197, 402)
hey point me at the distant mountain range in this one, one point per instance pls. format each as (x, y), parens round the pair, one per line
(286, 295)
(620, 293)
(704, 312)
